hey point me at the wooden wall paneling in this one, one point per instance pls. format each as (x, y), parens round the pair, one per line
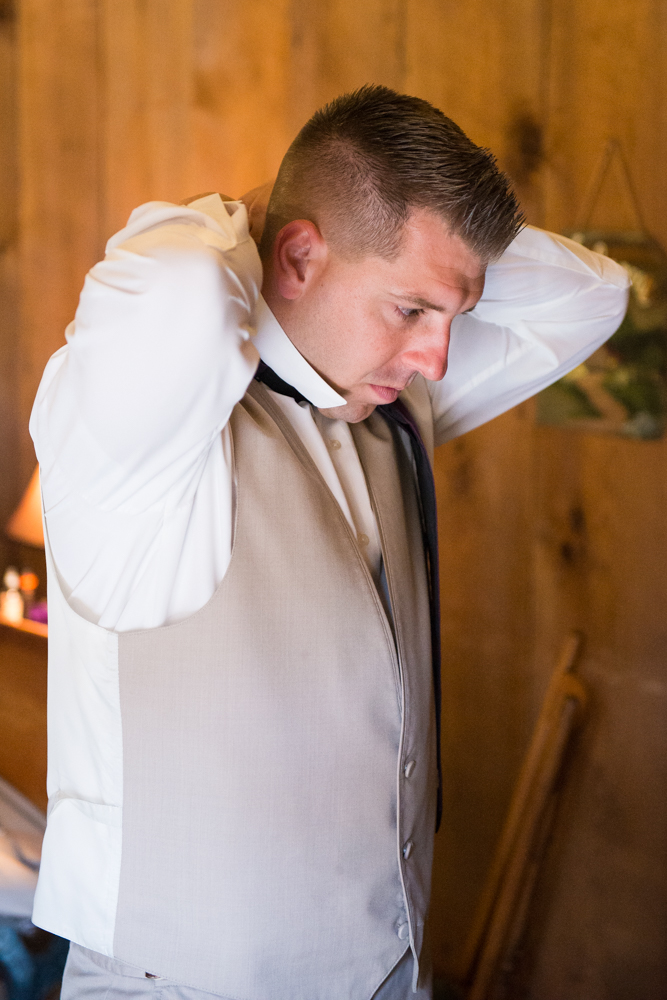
(483, 64)
(145, 73)
(59, 169)
(608, 78)
(363, 43)
(10, 480)
(8, 128)
(485, 505)
(241, 61)
(23, 712)
(353, 44)
(600, 915)
(261, 70)
(9, 320)
(599, 555)
(597, 925)
(337, 46)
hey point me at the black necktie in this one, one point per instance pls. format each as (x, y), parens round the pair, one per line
(398, 414)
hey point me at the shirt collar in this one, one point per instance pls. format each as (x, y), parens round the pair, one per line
(278, 352)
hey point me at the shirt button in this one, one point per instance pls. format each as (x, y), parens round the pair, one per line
(335, 444)
(409, 768)
(363, 539)
(402, 930)
(407, 849)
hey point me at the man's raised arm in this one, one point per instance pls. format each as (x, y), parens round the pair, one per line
(128, 411)
(548, 303)
(158, 353)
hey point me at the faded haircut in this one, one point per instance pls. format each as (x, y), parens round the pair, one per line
(363, 162)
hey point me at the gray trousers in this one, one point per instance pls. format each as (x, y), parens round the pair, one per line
(90, 976)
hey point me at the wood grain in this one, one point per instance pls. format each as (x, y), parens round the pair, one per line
(489, 693)
(9, 297)
(8, 134)
(59, 171)
(145, 74)
(23, 712)
(241, 66)
(607, 80)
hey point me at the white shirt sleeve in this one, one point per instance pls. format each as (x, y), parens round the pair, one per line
(548, 303)
(128, 414)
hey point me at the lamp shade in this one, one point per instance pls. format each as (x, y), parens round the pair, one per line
(25, 524)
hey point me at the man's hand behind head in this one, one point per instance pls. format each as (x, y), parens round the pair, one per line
(205, 194)
(256, 201)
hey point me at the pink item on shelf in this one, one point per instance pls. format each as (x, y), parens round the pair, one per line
(38, 613)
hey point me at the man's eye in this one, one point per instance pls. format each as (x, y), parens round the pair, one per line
(408, 313)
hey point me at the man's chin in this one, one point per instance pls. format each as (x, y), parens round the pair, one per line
(352, 413)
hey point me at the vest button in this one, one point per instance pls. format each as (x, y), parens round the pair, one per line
(363, 539)
(402, 930)
(409, 768)
(407, 849)
(335, 444)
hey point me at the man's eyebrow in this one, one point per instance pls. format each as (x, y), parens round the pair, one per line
(417, 300)
(425, 304)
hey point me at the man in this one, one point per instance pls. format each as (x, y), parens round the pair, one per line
(242, 721)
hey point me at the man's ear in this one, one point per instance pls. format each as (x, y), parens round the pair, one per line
(299, 254)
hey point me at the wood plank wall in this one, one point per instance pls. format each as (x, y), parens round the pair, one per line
(121, 102)
(9, 395)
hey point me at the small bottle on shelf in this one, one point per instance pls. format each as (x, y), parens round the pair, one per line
(11, 601)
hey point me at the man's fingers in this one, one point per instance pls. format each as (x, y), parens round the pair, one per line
(256, 201)
(196, 197)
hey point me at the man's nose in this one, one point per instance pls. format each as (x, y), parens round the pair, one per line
(428, 354)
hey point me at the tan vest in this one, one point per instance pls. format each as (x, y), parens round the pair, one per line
(278, 745)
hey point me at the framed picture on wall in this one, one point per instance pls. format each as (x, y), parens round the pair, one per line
(622, 387)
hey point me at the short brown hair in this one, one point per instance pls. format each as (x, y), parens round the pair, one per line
(363, 162)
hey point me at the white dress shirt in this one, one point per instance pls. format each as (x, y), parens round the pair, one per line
(130, 422)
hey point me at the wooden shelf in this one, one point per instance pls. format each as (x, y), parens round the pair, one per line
(27, 625)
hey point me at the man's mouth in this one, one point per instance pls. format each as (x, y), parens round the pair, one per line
(386, 393)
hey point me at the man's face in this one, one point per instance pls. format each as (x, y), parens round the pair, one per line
(368, 327)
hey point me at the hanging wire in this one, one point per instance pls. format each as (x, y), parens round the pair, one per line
(612, 149)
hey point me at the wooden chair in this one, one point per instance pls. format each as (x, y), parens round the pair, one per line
(501, 914)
